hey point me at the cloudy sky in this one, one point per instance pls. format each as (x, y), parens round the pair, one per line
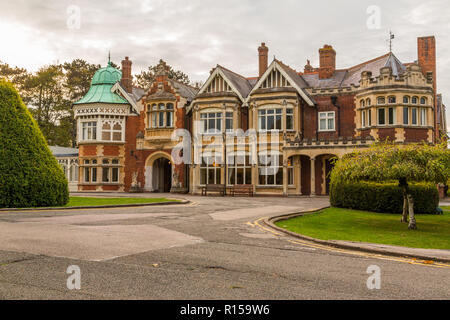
(195, 35)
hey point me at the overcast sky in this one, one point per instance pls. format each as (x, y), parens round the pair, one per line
(195, 35)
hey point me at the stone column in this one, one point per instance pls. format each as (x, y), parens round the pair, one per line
(313, 177)
(285, 178)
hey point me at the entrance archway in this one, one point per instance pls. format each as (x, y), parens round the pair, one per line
(162, 175)
(158, 172)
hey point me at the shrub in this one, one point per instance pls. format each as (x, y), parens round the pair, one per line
(383, 197)
(29, 174)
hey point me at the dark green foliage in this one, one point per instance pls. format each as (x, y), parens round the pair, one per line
(383, 197)
(29, 174)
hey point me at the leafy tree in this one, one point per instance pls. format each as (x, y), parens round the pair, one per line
(386, 161)
(15, 75)
(145, 78)
(46, 96)
(29, 174)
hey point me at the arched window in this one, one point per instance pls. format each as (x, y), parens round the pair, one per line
(117, 132)
(381, 100)
(392, 99)
(368, 102)
(406, 99)
(414, 100)
(423, 100)
(362, 103)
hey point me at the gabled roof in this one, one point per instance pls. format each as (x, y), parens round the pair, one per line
(239, 84)
(291, 75)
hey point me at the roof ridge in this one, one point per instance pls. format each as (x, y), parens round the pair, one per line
(218, 65)
(184, 84)
(368, 61)
(285, 65)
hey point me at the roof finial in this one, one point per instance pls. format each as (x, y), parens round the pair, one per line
(391, 36)
(109, 57)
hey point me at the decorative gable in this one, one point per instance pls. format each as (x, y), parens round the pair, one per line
(275, 79)
(218, 84)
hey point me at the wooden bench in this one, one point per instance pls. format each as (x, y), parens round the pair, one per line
(214, 188)
(242, 189)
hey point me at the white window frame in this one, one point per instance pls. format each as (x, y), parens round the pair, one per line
(277, 112)
(206, 116)
(423, 116)
(87, 130)
(326, 115)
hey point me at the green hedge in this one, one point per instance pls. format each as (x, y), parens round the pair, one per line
(383, 197)
(30, 176)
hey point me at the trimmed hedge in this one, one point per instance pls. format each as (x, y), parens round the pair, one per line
(383, 197)
(30, 176)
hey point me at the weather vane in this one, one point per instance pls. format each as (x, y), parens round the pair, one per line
(391, 36)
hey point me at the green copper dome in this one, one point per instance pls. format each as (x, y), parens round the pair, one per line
(108, 75)
(102, 82)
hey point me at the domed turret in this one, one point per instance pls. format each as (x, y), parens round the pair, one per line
(102, 82)
(107, 75)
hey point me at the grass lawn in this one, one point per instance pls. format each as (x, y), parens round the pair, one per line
(91, 201)
(433, 231)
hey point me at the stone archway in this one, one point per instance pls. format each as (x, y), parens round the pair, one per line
(158, 172)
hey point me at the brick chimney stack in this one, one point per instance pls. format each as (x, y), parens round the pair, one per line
(127, 78)
(263, 54)
(327, 62)
(426, 58)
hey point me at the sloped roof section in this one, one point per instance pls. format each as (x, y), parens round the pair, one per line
(101, 93)
(352, 75)
(239, 82)
(388, 60)
(299, 81)
(184, 90)
(58, 151)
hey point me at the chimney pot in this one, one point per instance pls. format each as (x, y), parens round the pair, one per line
(263, 55)
(327, 62)
(127, 78)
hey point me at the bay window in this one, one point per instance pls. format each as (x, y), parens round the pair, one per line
(89, 130)
(270, 169)
(423, 116)
(270, 119)
(160, 115)
(210, 169)
(289, 119)
(239, 169)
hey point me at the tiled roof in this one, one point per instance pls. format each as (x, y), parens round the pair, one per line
(352, 75)
(184, 90)
(241, 83)
(63, 151)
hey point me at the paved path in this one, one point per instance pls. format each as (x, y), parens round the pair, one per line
(210, 249)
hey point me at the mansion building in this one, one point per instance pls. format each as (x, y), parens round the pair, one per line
(278, 131)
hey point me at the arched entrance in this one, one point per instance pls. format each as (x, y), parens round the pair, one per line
(158, 173)
(162, 175)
